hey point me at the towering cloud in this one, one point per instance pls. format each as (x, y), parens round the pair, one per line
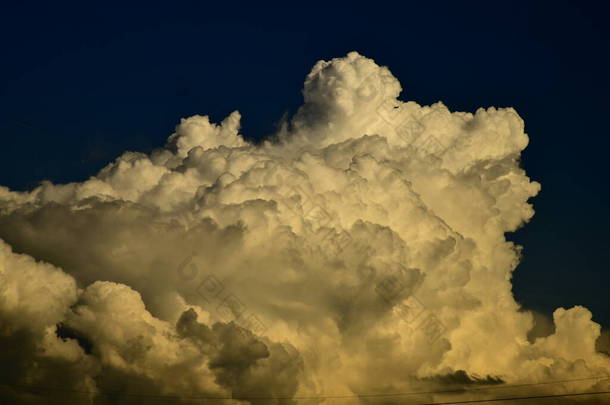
(357, 253)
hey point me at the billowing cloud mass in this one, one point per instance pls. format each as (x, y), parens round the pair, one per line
(358, 252)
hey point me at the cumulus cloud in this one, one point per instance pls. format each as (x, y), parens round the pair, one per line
(359, 252)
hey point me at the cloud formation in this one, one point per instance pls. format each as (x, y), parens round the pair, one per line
(359, 251)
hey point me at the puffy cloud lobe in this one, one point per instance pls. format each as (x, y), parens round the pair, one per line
(199, 131)
(367, 235)
(243, 363)
(129, 349)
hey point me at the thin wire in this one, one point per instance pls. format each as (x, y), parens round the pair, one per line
(474, 401)
(461, 390)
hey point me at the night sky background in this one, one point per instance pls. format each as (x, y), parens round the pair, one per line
(80, 84)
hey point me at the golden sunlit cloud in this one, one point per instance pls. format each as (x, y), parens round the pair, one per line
(360, 251)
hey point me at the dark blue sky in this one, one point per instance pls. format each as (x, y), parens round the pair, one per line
(81, 83)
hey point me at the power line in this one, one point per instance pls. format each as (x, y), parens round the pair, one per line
(475, 401)
(354, 396)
